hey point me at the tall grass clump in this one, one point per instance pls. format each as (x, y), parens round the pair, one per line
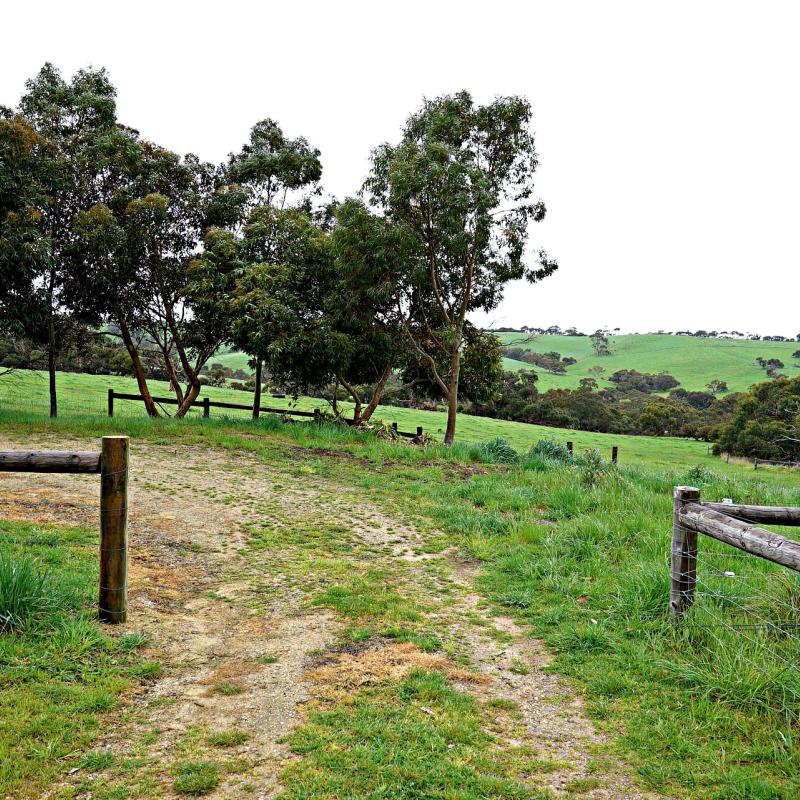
(498, 451)
(27, 590)
(546, 454)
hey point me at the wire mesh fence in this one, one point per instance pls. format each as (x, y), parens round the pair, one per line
(740, 622)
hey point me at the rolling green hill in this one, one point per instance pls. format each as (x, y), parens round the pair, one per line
(694, 362)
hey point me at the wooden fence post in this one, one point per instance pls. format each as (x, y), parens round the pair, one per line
(614, 454)
(394, 427)
(419, 430)
(110, 402)
(569, 447)
(683, 555)
(318, 417)
(206, 406)
(113, 604)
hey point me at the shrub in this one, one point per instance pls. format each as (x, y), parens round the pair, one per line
(593, 467)
(550, 449)
(498, 451)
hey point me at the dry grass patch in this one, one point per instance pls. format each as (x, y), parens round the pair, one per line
(389, 664)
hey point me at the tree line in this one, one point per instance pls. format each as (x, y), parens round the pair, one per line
(104, 230)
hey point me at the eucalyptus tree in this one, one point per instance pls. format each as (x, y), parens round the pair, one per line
(371, 257)
(460, 185)
(23, 248)
(165, 231)
(71, 116)
(281, 297)
(272, 166)
(270, 171)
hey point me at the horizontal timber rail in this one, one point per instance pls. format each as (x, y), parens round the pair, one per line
(112, 462)
(771, 515)
(45, 461)
(770, 463)
(207, 404)
(729, 523)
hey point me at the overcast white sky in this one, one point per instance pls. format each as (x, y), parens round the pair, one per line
(668, 133)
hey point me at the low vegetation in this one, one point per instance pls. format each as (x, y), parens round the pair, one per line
(58, 672)
(572, 547)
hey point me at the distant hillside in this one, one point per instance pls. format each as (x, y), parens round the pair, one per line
(693, 361)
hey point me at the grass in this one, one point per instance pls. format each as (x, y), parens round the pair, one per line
(23, 397)
(576, 550)
(704, 709)
(59, 673)
(417, 738)
(27, 591)
(693, 361)
(196, 778)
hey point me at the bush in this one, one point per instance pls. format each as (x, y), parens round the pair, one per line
(498, 451)
(26, 591)
(550, 449)
(765, 423)
(593, 467)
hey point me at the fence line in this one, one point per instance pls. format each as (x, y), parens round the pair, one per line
(757, 461)
(207, 404)
(740, 592)
(112, 463)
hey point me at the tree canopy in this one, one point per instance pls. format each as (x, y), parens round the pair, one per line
(100, 227)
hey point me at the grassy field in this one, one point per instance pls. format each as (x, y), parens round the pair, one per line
(80, 395)
(694, 362)
(58, 671)
(575, 551)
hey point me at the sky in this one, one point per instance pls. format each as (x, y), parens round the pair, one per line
(668, 133)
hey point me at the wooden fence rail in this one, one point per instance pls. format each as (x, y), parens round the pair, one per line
(729, 523)
(207, 404)
(113, 465)
(768, 462)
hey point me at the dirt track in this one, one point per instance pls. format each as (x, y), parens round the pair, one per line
(221, 613)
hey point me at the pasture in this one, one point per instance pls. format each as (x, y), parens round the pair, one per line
(317, 613)
(693, 361)
(25, 392)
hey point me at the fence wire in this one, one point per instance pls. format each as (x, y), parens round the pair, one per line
(742, 631)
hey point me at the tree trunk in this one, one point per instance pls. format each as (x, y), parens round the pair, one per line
(188, 401)
(257, 395)
(377, 393)
(356, 400)
(452, 395)
(193, 390)
(51, 364)
(174, 381)
(138, 369)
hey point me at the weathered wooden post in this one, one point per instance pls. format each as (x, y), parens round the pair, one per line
(419, 430)
(755, 463)
(394, 427)
(318, 417)
(206, 406)
(110, 402)
(683, 555)
(569, 447)
(114, 529)
(614, 454)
